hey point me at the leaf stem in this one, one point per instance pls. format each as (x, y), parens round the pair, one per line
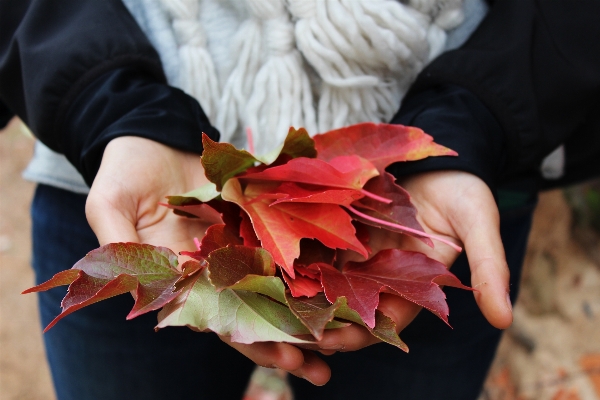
(404, 228)
(376, 197)
(250, 140)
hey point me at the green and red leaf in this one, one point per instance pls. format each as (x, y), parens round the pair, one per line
(115, 269)
(315, 312)
(222, 161)
(244, 316)
(298, 143)
(384, 329)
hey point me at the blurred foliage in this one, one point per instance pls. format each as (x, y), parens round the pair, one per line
(584, 200)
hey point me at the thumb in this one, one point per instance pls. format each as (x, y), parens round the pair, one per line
(489, 270)
(109, 223)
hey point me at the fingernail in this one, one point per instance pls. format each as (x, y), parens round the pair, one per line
(305, 377)
(337, 346)
(508, 302)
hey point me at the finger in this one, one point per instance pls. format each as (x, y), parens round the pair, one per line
(314, 369)
(400, 310)
(109, 223)
(489, 270)
(350, 338)
(301, 363)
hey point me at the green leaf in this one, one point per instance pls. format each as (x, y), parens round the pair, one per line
(204, 193)
(222, 161)
(271, 286)
(244, 316)
(384, 329)
(297, 144)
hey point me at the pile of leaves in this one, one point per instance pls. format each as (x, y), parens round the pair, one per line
(266, 269)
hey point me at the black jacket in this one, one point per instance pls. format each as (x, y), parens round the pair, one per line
(80, 73)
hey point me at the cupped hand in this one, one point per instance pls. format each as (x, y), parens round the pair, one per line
(459, 207)
(123, 206)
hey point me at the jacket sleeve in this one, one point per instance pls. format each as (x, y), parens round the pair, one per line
(5, 115)
(530, 75)
(81, 72)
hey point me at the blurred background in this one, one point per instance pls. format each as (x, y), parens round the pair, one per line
(552, 351)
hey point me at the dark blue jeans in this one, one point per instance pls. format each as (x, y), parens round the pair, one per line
(94, 354)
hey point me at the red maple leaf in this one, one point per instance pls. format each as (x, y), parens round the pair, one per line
(351, 172)
(381, 144)
(280, 227)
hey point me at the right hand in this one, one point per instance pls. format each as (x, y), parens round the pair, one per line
(122, 206)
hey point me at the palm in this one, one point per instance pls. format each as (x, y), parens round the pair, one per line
(135, 176)
(459, 207)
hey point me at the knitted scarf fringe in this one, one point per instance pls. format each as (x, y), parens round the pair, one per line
(365, 55)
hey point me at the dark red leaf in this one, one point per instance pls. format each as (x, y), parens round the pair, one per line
(362, 294)
(231, 213)
(411, 275)
(400, 211)
(216, 236)
(228, 265)
(363, 235)
(152, 296)
(189, 270)
(247, 231)
(313, 251)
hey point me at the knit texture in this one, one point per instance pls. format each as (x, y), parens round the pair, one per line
(267, 65)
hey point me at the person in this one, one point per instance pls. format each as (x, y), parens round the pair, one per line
(90, 85)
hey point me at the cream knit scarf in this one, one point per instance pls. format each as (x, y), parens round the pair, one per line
(320, 64)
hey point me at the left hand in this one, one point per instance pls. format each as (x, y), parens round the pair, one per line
(457, 206)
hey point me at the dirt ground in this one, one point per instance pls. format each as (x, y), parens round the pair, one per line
(552, 351)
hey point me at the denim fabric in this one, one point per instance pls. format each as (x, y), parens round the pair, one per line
(94, 354)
